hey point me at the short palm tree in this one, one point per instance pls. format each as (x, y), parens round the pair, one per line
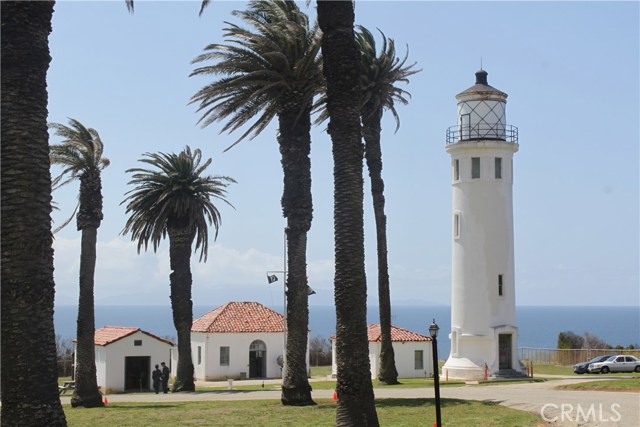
(80, 155)
(379, 75)
(356, 405)
(273, 69)
(174, 198)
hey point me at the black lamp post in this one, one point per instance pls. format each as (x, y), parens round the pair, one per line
(433, 331)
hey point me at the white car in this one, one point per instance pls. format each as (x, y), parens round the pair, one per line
(620, 363)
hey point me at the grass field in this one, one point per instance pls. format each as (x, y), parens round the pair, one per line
(269, 413)
(627, 384)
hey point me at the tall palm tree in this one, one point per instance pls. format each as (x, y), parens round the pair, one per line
(29, 383)
(379, 75)
(342, 73)
(80, 155)
(175, 199)
(273, 69)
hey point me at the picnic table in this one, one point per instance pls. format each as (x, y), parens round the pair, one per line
(67, 385)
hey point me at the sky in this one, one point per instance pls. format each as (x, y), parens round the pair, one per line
(571, 72)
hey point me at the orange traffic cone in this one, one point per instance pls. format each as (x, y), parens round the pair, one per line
(106, 401)
(335, 395)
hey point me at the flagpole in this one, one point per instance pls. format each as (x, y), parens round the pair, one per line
(271, 279)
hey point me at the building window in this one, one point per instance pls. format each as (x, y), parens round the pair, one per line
(498, 161)
(199, 355)
(500, 283)
(456, 226)
(418, 362)
(224, 356)
(137, 343)
(456, 170)
(475, 167)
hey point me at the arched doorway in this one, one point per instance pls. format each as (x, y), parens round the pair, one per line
(258, 359)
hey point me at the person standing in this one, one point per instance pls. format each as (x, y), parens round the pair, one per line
(156, 376)
(165, 378)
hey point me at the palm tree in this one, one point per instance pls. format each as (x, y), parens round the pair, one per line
(379, 75)
(175, 199)
(80, 155)
(29, 383)
(342, 73)
(273, 69)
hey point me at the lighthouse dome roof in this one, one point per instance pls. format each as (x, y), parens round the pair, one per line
(482, 86)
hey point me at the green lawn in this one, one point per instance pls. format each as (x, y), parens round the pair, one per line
(320, 371)
(540, 369)
(270, 413)
(627, 384)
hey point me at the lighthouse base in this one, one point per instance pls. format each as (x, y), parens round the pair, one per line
(463, 369)
(466, 370)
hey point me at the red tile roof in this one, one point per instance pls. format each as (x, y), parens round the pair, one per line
(240, 317)
(109, 334)
(397, 334)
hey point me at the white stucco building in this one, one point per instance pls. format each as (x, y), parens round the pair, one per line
(412, 352)
(483, 312)
(126, 356)
(238, 340)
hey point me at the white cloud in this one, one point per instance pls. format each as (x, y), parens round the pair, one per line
(125, 277)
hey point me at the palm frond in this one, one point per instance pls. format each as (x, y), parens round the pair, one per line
(80, 154)
(67, 221)
(381, 72)
(173, 190)
(262, 66)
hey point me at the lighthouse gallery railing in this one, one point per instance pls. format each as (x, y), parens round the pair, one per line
(459, 133)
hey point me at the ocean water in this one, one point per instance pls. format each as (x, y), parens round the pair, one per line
(538, 326)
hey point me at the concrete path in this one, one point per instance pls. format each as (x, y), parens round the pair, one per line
(558, 408)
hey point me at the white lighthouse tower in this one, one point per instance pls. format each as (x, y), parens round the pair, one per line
(484, 334)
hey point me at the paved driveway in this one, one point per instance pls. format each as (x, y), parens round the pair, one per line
(559, 408)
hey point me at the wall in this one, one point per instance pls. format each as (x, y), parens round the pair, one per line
(209, 369)
(404, 353)
(114, 355)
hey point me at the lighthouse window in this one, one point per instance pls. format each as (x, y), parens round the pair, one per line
(475, 167)
(456, 170)
(498, 167)
(500, 284)
(456, 226)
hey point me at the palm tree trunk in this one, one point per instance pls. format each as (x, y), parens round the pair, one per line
(341, 69)
(295, 145)
(86, 392)
(180, 241)
(388, 373)
(29, 382)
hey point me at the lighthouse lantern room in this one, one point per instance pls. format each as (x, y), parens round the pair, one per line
(484, 334)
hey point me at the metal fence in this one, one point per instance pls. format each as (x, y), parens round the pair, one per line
(568, 357)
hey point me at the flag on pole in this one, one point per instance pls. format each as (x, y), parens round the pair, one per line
(272, 278)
